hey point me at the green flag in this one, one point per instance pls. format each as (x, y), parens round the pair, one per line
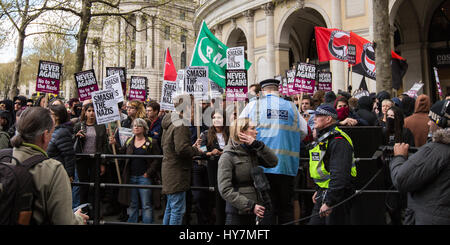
(210, 51)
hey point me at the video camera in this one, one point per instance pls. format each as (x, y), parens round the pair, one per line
(385, 153)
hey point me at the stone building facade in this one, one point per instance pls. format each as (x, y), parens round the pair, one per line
(277, 34)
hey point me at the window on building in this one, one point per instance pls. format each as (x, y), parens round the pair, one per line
(167, 32)
(182, 15)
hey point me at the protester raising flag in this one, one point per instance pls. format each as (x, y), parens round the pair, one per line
(210, 51)
(332, 44)
(170, 73)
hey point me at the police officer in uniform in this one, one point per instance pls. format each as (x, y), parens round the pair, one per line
(332, 168)
(281, 128)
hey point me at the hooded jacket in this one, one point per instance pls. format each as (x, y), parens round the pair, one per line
(365, 110)
(234, 178)
(418, 122)
(425, 176)
(178, 152)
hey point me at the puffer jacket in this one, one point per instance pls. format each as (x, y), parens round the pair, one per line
(178, 152)
(61, 148)
(425, 177)
(54, 202)
(234, 178)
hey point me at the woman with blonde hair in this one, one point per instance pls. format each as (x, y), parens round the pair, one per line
(240, 156)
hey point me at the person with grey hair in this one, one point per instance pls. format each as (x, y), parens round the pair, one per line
(53, 203)
(139, 171)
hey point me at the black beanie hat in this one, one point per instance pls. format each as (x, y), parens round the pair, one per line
(439, 110)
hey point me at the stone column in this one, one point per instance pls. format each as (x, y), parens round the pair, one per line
(218, 32)
(150, 44)
(139, 41)
(249, 14)
(270, 50)
(123, 43)
(337, 67)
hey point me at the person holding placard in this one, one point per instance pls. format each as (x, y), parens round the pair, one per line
(139, 171)
(92, 138)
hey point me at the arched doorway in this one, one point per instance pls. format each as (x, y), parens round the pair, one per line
(237, 38)
(297, 38)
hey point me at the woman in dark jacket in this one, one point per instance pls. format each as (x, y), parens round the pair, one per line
(234, 176)
(61, 145)
(215, 139)
(395, 132)
(92, 138)
(139, 171)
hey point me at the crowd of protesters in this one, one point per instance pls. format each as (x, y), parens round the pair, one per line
(157, 132)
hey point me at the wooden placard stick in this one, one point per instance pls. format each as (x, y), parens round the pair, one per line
(114, 152)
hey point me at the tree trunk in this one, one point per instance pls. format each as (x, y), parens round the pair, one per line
(383, 45)
(14, 91)
(82, 38)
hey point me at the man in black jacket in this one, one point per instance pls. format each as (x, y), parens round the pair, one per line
(425, 175)
(365, 106)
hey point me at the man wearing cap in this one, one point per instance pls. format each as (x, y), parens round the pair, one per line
(331, 166)
(281, 128)
(425, 175)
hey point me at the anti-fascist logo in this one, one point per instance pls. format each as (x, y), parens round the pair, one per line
(368, 60)
(338, 44)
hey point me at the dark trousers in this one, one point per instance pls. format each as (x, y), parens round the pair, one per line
(201, 197)
(86, 173)
(236, 219)
(339, 215)
(281, 195)
(219, 203)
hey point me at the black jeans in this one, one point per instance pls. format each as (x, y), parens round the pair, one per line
(201, 197)
(219, 203)
(236, 219)
(86, 173)
(281, 195)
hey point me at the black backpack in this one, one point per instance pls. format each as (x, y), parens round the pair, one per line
(17, 189)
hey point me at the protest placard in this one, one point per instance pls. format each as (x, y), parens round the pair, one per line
(180, 82)
(113, 82)
(305, 78)
(49, 77)
(86, 84)
(438, 83)
(168, 92)
(105, 106)
(123, 76)
(196, 82)
(351, 54)
(236, 85)
(325, 81)
(215, 90)
(138, 88)
(360, 93)
(284, 87)
(414, 89)
(290, 76)
(235, 58)
(124, 134)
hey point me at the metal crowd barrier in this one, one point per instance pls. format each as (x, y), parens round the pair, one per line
(97, 185)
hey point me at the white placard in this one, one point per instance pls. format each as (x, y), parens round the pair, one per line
(414, 89)
(113, 82)
(196, 82)
(235, 58)
(124, 135)
(169, 90)
(105, 106)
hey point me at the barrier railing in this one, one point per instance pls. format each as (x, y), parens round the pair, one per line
(95, 220)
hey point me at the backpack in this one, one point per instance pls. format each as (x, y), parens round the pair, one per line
(17, 189)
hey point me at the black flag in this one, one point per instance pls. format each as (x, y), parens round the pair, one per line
(363, 84)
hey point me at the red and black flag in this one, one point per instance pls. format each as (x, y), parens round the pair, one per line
(332, 44)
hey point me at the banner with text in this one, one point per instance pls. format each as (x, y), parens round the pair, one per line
(236, 85)
(235, 58)
(105, 106)
(169, 90)
(86, 84)
(123, 76)
(113, 82)
(290, 76)
(138, 88)
(196, 82)
(325, 81)
(305, 78)
(414, 89)
(49, 77)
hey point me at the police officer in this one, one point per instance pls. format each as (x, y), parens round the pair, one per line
(425, 175)
(281, 128)
(332, 168)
